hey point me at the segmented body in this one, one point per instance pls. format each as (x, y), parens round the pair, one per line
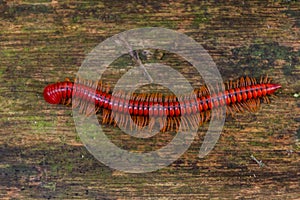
(245, 93)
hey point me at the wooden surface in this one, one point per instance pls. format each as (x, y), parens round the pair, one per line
(43, 42)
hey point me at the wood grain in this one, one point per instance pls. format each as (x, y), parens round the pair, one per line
(41, 155)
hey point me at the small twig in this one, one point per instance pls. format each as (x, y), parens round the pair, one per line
(136, 58)
(259, 162)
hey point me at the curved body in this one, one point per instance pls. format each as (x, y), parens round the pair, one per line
(157, 104)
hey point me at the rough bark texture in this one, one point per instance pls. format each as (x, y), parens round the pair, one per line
(41, 155)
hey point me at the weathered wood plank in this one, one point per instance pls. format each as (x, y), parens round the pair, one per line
(41, 155)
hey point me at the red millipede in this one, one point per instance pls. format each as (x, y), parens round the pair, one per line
(194, 109)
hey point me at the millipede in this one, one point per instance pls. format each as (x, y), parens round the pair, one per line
(170, 111)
